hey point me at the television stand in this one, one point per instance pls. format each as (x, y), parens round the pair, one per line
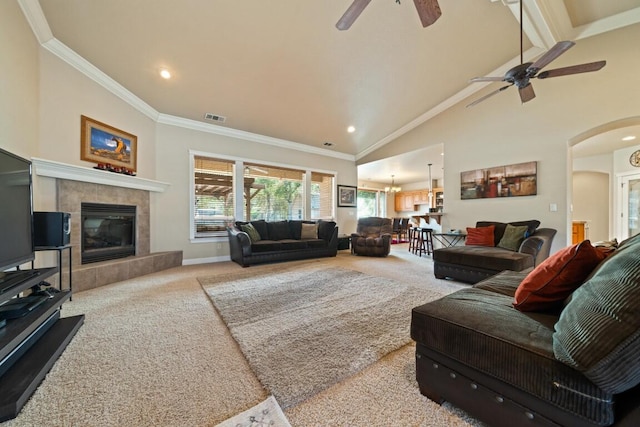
(31, 344)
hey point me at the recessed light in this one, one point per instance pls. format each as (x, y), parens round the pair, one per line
(165, 74)
(351, 129)
(629, 138)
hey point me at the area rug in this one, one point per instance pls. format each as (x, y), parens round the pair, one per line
(304, 328)
(266, 413)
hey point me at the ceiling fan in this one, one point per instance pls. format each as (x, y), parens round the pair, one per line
(428, 10)
(520, 75)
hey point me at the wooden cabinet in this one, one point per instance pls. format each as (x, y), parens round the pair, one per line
(438, 199)
(404, 201)
(578, 231)
(412, 200)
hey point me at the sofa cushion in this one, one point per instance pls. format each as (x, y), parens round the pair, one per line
(266, 246)
(483, 257)
(325, 229)
(279, 230)
(292, 244)
(598, 332)
(512, 237)
(480, 236)
(309, 231)
(532, 225)
(547, 286)
(316, 243)
(254, 236)
(482, 330)
(260, 225)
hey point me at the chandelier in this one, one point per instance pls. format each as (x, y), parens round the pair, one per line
(392, 188)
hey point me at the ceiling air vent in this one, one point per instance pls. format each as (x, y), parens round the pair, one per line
(215, 117)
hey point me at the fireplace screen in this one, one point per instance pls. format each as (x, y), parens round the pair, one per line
(108, 231)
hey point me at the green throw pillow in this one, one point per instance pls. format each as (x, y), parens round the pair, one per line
(254, 236)
(512, 237)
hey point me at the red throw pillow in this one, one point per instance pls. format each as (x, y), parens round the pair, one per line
(481, 236)
(557, 277)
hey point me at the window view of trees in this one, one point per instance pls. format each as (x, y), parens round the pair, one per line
(269, 193)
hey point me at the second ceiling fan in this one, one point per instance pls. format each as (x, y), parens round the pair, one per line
(428, 10)
(520, 75)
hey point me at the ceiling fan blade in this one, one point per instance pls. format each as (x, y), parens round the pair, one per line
(428, 10)
(574, 69)
(352, 13)
(526, 93)
(489, 95)
(486, 79)
(550, 55)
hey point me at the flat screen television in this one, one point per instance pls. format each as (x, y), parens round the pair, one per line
(16, 211)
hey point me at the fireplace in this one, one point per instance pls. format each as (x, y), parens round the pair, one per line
(107, 232)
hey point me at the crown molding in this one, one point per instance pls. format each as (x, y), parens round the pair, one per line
(69, 56)
(248, 136)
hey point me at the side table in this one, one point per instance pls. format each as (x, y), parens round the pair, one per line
(449, 239)
(344, 242)
(60, 250)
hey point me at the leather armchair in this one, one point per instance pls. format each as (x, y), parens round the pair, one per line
(372, 237)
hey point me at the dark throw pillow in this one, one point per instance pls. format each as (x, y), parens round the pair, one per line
(254, 236)
(553, 280)
(513, 237)
(598, 332)
(480, 236)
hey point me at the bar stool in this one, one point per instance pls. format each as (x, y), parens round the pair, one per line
(413, 238)
(424, 241)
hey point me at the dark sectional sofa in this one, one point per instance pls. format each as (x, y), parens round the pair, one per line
(575, 364)
(471, 263)
(282, 241)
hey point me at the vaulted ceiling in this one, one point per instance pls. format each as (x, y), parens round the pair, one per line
(281, 69)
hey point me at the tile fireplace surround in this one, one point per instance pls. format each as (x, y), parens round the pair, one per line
(74, 185)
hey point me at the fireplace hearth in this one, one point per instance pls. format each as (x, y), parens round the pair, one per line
(107, 232)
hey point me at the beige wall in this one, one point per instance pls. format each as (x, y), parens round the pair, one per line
(43, 99)
(18, 82)
(172, 206)
(591, 192)
(501, 131)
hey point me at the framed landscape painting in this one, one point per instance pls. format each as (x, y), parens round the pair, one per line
(347, 196)
(104, 144)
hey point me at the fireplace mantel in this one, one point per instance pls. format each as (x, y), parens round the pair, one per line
(53, 169)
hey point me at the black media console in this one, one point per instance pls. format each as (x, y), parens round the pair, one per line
(32, 342)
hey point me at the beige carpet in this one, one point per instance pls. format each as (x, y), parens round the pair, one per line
(305, 328)
(153, 351)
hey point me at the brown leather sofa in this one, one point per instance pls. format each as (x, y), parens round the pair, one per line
(372, 237)
(282, 241)
(474, 263)
(574, 365)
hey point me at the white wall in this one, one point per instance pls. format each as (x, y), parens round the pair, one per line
(501, 131)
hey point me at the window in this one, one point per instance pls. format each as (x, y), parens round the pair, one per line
(272, 193)
(371, 203)
(321, 195)
(213, 184)
(268, 192)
